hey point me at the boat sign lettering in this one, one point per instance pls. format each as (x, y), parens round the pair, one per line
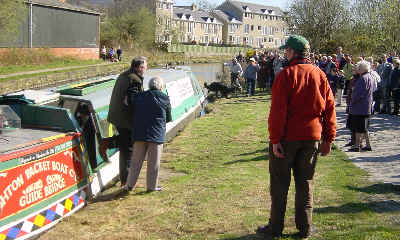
(44, 153)
(179, 91)
(30, 183)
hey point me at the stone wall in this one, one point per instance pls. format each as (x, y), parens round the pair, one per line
(80, 53)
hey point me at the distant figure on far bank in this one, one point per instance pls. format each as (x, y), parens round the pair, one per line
(119, 54)
(111, 54)
(103, 53)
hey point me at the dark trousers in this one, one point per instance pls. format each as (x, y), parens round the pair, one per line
(125, 143)
(301, 157)
(251, 85)
(235, 81)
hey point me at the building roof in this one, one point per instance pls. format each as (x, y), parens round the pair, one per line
(62, 5)
(226, 17)
(195, 16)
(257, 8)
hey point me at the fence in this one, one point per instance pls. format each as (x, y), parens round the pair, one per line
(198, 50)
(56, 79)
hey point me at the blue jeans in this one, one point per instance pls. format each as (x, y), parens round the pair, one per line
(251, 85)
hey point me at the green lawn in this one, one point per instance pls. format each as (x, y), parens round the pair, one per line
(216, 182)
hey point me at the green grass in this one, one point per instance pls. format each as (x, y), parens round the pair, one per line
(59, 63)
(216, 182)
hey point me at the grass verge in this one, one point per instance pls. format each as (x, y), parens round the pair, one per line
(221, 191)
(59, 63)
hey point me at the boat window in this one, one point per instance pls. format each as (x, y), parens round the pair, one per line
(72, 105)
(9, 120)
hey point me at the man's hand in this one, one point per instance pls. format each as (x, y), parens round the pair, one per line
(278, 150)
(325, 148)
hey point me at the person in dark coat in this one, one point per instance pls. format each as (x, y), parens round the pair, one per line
(120, 114)
(395, 85)
(119, 53)
(152, 112)
(262, 75)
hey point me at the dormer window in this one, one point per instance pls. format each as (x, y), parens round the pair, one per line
(189, 17)
(264, 11)
(246, 9)
(271, 11)
(181, 16)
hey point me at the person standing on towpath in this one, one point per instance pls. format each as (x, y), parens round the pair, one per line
(302, 114)
(121, 115)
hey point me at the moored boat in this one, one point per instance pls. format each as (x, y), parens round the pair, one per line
(50, 163)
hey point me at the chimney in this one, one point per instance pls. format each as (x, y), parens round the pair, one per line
(194, 7)
(63, 1)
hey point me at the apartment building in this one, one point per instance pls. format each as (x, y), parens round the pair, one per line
(232, 30)
(258, 25)
(233, 22)
(163, 10)
(196, 25)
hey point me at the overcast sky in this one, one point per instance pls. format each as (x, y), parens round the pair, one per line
(277, 3)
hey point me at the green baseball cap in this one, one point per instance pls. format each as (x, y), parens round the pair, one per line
(297, 43)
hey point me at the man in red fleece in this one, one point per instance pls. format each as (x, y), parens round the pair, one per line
(302, 123)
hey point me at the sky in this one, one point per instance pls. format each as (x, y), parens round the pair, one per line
(277, 3)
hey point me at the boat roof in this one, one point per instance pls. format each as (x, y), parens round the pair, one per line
(37, 96)
(98, 98)
(101, 97)
(18, 139)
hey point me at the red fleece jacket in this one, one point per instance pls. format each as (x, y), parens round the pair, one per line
(303, 106)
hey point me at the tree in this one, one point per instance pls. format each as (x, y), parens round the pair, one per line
(205, 5)
(12, 14)
(131, 27)
(389, 15)
(318, 20)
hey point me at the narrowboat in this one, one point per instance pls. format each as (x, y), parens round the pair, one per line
(50, 163)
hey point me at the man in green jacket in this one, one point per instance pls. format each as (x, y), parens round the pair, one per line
(121, 116)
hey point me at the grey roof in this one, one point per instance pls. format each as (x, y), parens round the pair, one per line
(198, 16)
(257, 8)
(59, 4)
(226, 17)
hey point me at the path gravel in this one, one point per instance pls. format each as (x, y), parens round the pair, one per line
(383, 163)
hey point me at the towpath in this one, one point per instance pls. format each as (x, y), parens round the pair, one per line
(383, 163)
(51, 70)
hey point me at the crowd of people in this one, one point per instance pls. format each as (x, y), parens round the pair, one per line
(297, 134)
(378, 91)
(111, 54)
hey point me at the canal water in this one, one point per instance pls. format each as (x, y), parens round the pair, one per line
(208, 72)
